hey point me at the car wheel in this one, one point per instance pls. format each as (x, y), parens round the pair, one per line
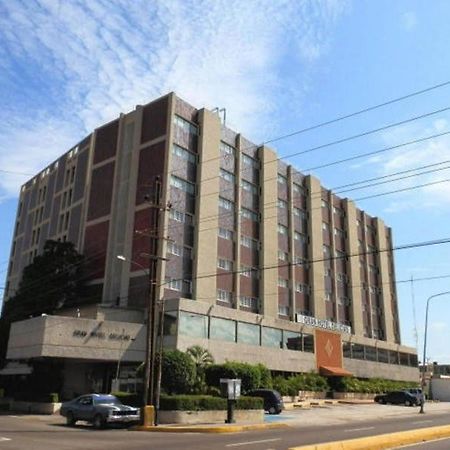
(70, 419)
(383, 401)
(272, 410)
(407, 403)
(99, 421)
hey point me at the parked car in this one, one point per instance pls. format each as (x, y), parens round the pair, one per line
(273, 403)
(417, 392)
(397, 398)
(99, 409)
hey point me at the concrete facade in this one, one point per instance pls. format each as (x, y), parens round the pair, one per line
(242, 237)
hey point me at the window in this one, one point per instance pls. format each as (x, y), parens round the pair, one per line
(248, 302)
(195, 325)
(283, 310)
(250, 215)
(174, 249)
(281, 204)
(282, 256)
(184, 185)
(184, 154)
(283, 283)
(299, 190)
(227, 176)
(225, 264)
(326, 250)
(325, 226)
(180, 217)
(292, 340)
(300, 261)
(226, 204)
(226, 149)
(299, 213)
(249, 187)
(271, 337)
(224, 296)
(282, 179)
(248, 333)
(249, 272)
(302, 288)
(327, 296)
(249, 242)
(223, 329)
(300, 237)
(324, 204)
(175, 284)
(225, 234)
(249, 161)
(339, 233)
(282, 229)
(341, 277)
(185, 125)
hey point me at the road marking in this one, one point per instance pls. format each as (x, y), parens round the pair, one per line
(2, 439)
(422, 421)
(359, 429)
(252, 442)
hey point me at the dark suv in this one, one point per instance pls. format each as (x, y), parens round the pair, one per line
(273, 403)
(397, 398)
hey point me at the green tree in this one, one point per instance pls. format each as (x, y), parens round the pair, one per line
(178, 372)
(202, 358)
(50, 282)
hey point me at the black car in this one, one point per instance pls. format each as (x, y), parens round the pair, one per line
(397, 398)
(99, 409)
(273, 403)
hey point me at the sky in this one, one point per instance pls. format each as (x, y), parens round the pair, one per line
(68, 66)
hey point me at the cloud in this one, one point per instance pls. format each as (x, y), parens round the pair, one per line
(81, 63)
(439, 327)
(434, 153)
(408, 20)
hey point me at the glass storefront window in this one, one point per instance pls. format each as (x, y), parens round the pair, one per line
(271, 337)
(248, 333)
(371, 353)
(383, 355)
(223, 329)
(358, 351)
(346, 350)
(292, 340)
(404, 360)
(308, 343)
(170, 323)
(195, 325)
(393, 357)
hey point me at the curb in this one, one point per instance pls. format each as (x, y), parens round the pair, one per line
(209, 428)
(383, 441)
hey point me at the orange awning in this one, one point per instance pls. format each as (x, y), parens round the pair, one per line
(331, 371)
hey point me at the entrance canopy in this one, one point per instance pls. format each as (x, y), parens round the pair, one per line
(332, 371)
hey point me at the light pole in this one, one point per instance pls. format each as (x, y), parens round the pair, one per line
(425, 349)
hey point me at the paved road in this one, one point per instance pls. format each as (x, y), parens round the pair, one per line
(313, 426)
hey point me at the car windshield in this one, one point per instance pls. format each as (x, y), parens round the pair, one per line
(109, 400)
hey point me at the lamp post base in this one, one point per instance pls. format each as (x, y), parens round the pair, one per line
(148, 416)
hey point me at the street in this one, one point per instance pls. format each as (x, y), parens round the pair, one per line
(305, 427)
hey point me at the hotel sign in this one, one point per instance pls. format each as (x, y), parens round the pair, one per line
(324, 324)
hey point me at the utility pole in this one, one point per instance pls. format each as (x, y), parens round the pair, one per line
(152, 365)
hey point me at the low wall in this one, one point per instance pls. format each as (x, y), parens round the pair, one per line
(353, 396)
(302, 395)
(193, 417)
(34, 407)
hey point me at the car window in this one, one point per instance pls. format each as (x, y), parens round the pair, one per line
(86, 401)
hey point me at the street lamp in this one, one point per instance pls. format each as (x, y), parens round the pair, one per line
(425, 349)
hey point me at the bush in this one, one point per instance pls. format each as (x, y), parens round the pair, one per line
(371, 386)
(178, 372)
(302, 382)
(205, 403)
(252, 376)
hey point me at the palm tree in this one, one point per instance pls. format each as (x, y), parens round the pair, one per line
(202, 358)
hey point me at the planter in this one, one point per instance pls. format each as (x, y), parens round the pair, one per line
(353, 396)
(303, 395)
(194, 417)
(34, 407)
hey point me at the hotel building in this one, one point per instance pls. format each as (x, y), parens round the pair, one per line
(256, 261)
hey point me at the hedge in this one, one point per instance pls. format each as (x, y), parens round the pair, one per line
(205, 403)
(302, 382)
(371, 386)
(252, 376)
